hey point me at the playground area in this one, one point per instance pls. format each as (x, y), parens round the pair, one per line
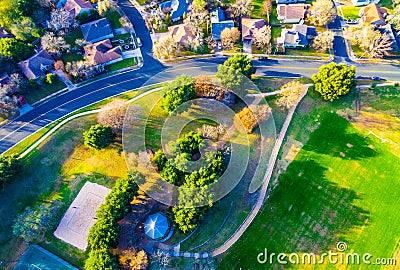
(37, 258)
(81, 215)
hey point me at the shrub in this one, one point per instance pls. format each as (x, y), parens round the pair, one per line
(10, 167)
(51, 78)
(178, 92)
(98, 137)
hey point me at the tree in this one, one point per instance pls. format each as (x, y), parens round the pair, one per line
(98, 136)
(187, 219)
(241, 8)
(323, 41)
(10, 47)
(198, 19)
(262, 38)
(25, 29)
(291, 94)
(113, 115)
(160, 159)
(60, 19)
(51, 78)
(100, 259)
(53, 44)
(249, 117)
(229, 36)
(334, 80)
(229, 77)
(178, 92)
(166, 48)
(241, 63)
(10, 167)
(394, 18)
(322, 12)
(133, 259)
(267, 8)
(33, 223)
(371, 41)
(104, 6)
(188, 143)
(79, 69)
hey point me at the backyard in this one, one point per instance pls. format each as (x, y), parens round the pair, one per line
(350, 12)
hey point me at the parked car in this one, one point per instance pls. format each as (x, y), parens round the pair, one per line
(376, 78)
(219, 46)
(139, 42)
(262, 58)
(352, 21)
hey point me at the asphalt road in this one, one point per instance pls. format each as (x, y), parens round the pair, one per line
(58, 107)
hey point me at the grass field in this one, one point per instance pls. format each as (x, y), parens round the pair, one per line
(113, 17)
(129, 62)
(43, 91)
(342, 186)
(350, 12)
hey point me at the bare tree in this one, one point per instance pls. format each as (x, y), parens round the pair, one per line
(52, 43)
(262, 38)
(166, 48)
(241, 8)
(371, 41)
(79, 69)
(229, 36)
(291, 94)
(104, 6)
(323, 41)
(80, 42)
(322, 12)
(197, 19)
(60, 19)
(267, 8)
(394, 18)
(211, 43)
(113, 115)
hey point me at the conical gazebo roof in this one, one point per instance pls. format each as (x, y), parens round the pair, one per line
(156, 226)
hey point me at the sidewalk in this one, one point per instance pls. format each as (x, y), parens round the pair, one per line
(64, 79)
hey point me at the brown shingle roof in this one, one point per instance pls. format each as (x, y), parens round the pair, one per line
(293, 11)
(248, 25)
(181, 34)
(373, 14)
(75, 6)
(102, 52)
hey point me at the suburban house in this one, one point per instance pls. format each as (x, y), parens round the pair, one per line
(77, 7)
(291, 39)
(310, 32)
(292, 13)
(181, 34)
(363, 2)
(248, 27)
(177, 8)
(5, 34)
(97, 30)
(388, 30)
(102, 53)
(373, 14)
(279, 2)
(218, 23)
(36, 66)
(4, 78)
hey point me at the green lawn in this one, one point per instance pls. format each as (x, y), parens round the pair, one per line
(129, 62)
(71, 57)
(113, 16)
(308, 51)
(48, 89)
(342, 186)
(257, 8)
(350, 12)
(72, 36)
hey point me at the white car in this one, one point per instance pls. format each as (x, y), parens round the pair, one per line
(139, 42)
(219, 46)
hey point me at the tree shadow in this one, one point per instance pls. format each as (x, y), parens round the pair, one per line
(335, 137)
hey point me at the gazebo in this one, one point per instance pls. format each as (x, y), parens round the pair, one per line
(156, 226)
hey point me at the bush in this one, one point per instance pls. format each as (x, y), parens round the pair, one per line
(51, 78)
(178, 92)
(10, 167)
(250, 116)
(98, 137)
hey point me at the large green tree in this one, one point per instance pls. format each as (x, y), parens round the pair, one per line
(10, 167)
(334, 80)
(178, 92)
(241, 63)
(98, 136)
(230, 78)
(11, 47)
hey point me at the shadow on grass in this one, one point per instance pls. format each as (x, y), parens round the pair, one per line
(305, 213)
(340, 141)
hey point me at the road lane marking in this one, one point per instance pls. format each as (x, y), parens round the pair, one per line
(27, 123)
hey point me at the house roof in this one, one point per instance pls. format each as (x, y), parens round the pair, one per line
(156, 226)
(181, 34)
(305, 29)
(217, 15)
(32, 67)
(5, 34)
(248, 26)
(178, 7)
(293, 11)
(4, 78)
(387, 29)
(372, 13)
(291, 37)
(96, 30)
(218, 27)
(74, 7)
(102, 52)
